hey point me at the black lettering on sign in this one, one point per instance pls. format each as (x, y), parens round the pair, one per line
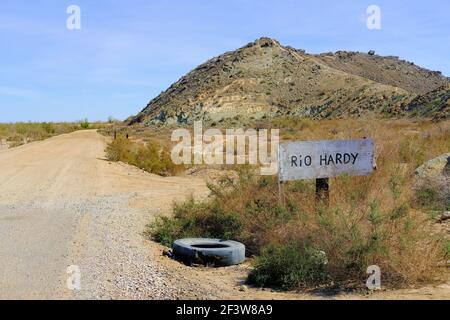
(293, 161)
(330, 160)
(354, 157)
(347, 158)
(323, 160)
(298, 161)
(308, 161)
(338, 158)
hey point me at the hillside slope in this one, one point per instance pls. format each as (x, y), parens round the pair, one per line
(387, 70)
(266, 79)
(435, 104)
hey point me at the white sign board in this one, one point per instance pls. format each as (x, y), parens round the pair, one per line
(324, 159)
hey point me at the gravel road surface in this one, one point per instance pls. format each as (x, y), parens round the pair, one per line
(62, 204)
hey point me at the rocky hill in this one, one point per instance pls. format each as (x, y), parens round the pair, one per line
(266, 79)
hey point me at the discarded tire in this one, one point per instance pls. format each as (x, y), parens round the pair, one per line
(210, 252)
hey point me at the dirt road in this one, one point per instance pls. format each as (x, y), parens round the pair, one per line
(62, 204)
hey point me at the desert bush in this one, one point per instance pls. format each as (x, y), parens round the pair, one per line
(120, 149)
(228, 216)
(193, 219)
(85, 124)
(373, 220)
(289, 266)
(48, 128)
(364, 225)
(146, 156)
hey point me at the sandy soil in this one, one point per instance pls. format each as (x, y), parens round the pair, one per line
(62, 204)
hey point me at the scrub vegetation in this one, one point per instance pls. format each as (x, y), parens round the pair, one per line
(16, 134)
(382, 219)
(150, 156)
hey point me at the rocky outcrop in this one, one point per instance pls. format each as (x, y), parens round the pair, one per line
(433, 183)
(439, 166)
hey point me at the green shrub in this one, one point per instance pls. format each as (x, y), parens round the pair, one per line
(289, 266)
(192, 219)
(165, 230)
(84, 124)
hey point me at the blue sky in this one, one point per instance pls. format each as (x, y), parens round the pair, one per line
(128, 51)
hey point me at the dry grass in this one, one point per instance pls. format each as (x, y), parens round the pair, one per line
(149, 156)
(19, 133)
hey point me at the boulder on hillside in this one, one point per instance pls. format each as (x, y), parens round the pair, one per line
(433, 183)
(439, 166)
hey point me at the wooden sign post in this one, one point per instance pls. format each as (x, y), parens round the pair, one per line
(321, 160)
(323, 191)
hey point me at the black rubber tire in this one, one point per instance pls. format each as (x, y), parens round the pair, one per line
(212, 252)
